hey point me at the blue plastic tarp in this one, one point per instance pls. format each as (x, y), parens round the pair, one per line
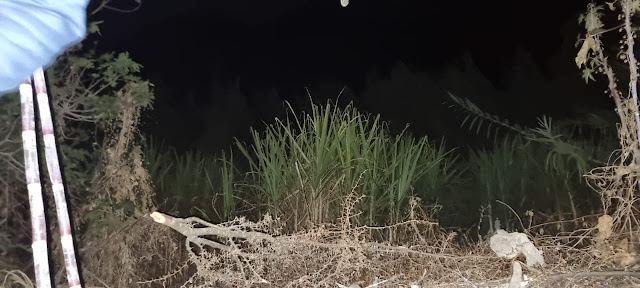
(33, 33)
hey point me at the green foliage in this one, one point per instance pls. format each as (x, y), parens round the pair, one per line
(227, 173)
(560, 152)
(411, 161)
(501, 173)
(192, 182)
(268, 160)
(536, 167)
(560, 149)
(305, 164)
(479, 117)
(300, 167)
(515, 172)
(92, 85)
(88, 93)
(94, 27)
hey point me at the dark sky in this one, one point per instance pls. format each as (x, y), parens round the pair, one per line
(190, 47)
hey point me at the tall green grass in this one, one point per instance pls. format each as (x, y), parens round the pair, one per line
(192, 182)
(305, 164)
(302, 166)
(516, 176)
(501, 174)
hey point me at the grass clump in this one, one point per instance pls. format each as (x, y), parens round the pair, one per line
(303, 165)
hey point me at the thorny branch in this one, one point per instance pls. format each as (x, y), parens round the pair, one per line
(633, 67)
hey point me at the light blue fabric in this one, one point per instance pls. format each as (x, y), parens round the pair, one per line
(33, 33)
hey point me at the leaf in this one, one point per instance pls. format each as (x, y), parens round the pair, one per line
(588, 45)
(81, 62)
(479, 126)
(94, 28)
(477, 117)
(587, 74)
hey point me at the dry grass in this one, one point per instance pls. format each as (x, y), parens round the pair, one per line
(241, 253)
(120, 247)
(122, 255)
(15, 278)
(121, 178)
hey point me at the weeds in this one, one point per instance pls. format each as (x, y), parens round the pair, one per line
(193, 182)
(304, 164)
(618, 181)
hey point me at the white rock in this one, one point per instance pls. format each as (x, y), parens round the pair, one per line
(510, 245)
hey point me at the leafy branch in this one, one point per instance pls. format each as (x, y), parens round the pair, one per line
(559, 151)
(479, 117)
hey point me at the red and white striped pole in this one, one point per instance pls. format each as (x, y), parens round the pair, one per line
(32, 173)
(35, 189)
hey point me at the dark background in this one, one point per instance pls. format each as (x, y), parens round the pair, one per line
(222, 66)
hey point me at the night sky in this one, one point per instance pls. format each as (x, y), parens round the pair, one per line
(196, 52)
